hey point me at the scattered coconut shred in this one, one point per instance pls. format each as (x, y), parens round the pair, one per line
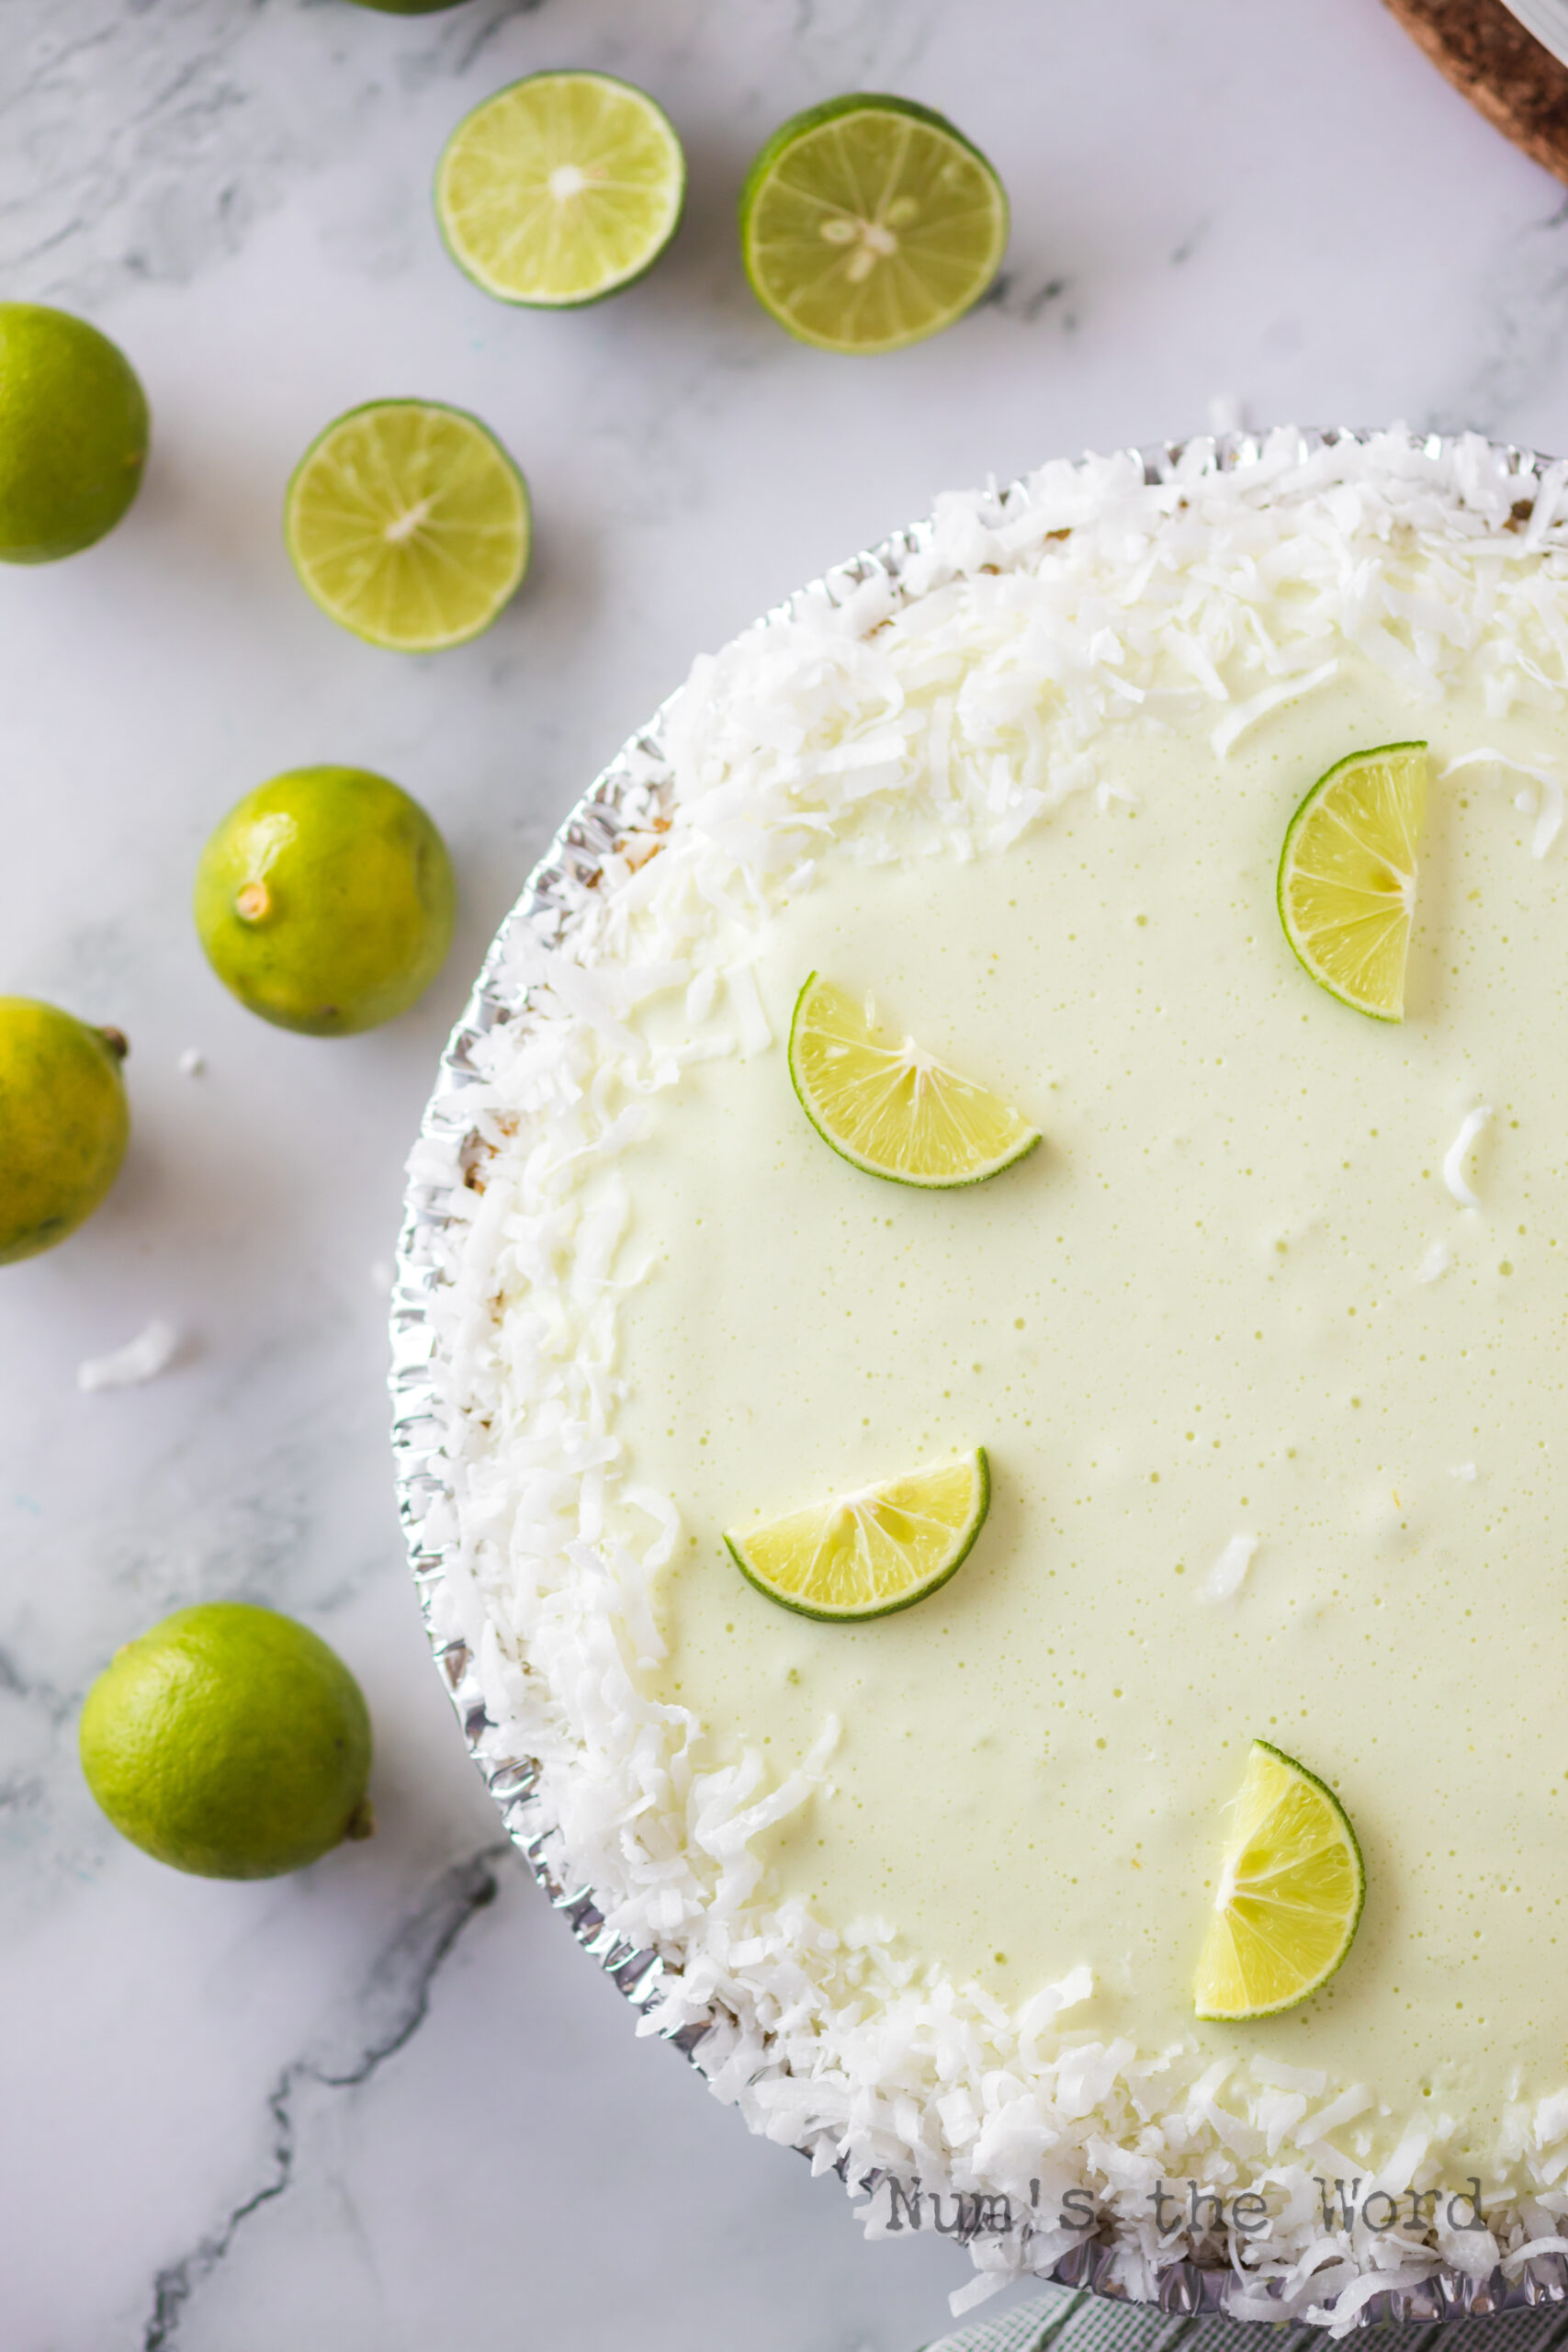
(974, 698)
(152, 1351)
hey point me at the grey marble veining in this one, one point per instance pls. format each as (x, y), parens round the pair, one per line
(387, 2104)
(392, 2002)
(205, 114)
(1524, 337)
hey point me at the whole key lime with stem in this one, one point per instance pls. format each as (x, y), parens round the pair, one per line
(325, 901)
(64, 1123)
(229, 1741)
(73, 430)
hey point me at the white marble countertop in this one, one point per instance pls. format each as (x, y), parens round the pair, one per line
(387, 2104)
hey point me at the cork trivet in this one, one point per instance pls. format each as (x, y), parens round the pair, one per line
(1500, 68)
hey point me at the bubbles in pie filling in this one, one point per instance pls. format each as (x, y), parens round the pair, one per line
(1273, 1412)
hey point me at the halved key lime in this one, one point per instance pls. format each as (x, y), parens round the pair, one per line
(1289, 1895)
(870, 1553)
(560, 189)
(409, 524)
(1346, 886)
(895, 1111)
(870, 223)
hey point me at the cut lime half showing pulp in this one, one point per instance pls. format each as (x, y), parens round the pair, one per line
(560, 189)
(1346, 886)
(409, 524)
(891, 1109)
(869, 224)
(1289, 1895)
(867, 1554)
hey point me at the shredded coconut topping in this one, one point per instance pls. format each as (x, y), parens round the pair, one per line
(1546, 809)
(1226, 1575)
(1470, 1126)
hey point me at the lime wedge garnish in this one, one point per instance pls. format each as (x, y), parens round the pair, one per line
(868, 1553)
(870, 223)
(895, 1110)
(1289, 1895)
(560, 189)
(1346, 885)
(409, 524)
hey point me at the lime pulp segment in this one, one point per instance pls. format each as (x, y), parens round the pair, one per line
(869, 1553)
(560, 189)
(1347, 873)
(409, 524)
(895, 1110)
(1289, 1900)
(869, 224)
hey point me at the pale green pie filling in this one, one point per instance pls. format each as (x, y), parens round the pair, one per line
(1195, 1314)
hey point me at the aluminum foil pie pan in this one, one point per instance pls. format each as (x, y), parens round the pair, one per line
(624, 798)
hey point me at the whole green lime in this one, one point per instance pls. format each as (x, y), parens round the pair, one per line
(73, 428)
(325, 901)
(64, 1123)
(229, 1741)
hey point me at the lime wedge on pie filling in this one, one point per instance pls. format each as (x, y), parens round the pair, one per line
(1346, 883)
(872, 1552)
(409, 524)
(895, 1110)
(1290, 1894)
(560, 189)
(870, 223)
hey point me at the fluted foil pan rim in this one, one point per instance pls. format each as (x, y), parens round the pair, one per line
(620, 799)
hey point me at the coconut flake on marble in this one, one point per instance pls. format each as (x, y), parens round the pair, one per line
(152, 1351)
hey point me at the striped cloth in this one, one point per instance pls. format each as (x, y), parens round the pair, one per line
(1066, 2319)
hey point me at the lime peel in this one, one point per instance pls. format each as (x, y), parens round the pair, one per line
(872, 1552)
(1290, 1897)
(325, 901)
(1347, 880)
(895, 1111)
